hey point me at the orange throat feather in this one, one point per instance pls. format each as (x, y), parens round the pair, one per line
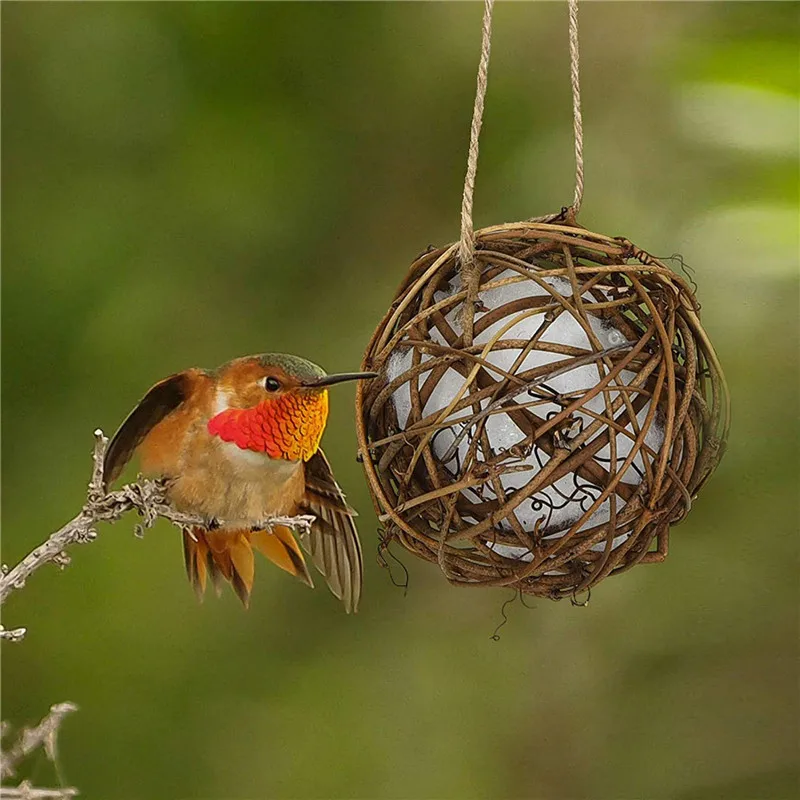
(288, 427)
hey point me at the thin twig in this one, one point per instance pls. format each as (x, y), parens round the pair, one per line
(14, 635)
(42, 735)
(27, 792)
(146, 496)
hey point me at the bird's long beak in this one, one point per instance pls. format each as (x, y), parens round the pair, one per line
(329, 380)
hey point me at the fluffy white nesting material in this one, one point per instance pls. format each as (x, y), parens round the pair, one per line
(560, 505)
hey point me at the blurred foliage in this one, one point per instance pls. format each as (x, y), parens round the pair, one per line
(185, 183)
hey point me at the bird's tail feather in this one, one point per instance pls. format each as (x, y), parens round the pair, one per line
(228, 555)
(280, 547)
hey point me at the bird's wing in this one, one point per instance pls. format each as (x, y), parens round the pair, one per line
(333, 539)
(161, 400)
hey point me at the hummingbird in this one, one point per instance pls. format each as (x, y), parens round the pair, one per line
(237, 445)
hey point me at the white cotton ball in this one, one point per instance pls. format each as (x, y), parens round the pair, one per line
(399, 362)
(558, 506)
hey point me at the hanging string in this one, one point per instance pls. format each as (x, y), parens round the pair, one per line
(577, 117)
(470, 272)
(466, 245)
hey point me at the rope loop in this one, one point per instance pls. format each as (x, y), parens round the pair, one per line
(470, 272)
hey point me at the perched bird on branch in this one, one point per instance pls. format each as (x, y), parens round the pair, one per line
(236, 446)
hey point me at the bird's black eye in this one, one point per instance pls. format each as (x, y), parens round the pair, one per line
(272, 384)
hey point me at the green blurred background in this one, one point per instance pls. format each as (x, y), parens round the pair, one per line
(185, 183)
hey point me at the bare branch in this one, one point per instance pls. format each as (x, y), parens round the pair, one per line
(14, 635)
(145, 496)
(148, 499)
(27, 792)
(43, 735)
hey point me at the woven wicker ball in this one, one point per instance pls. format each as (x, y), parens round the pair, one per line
(555, 442)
